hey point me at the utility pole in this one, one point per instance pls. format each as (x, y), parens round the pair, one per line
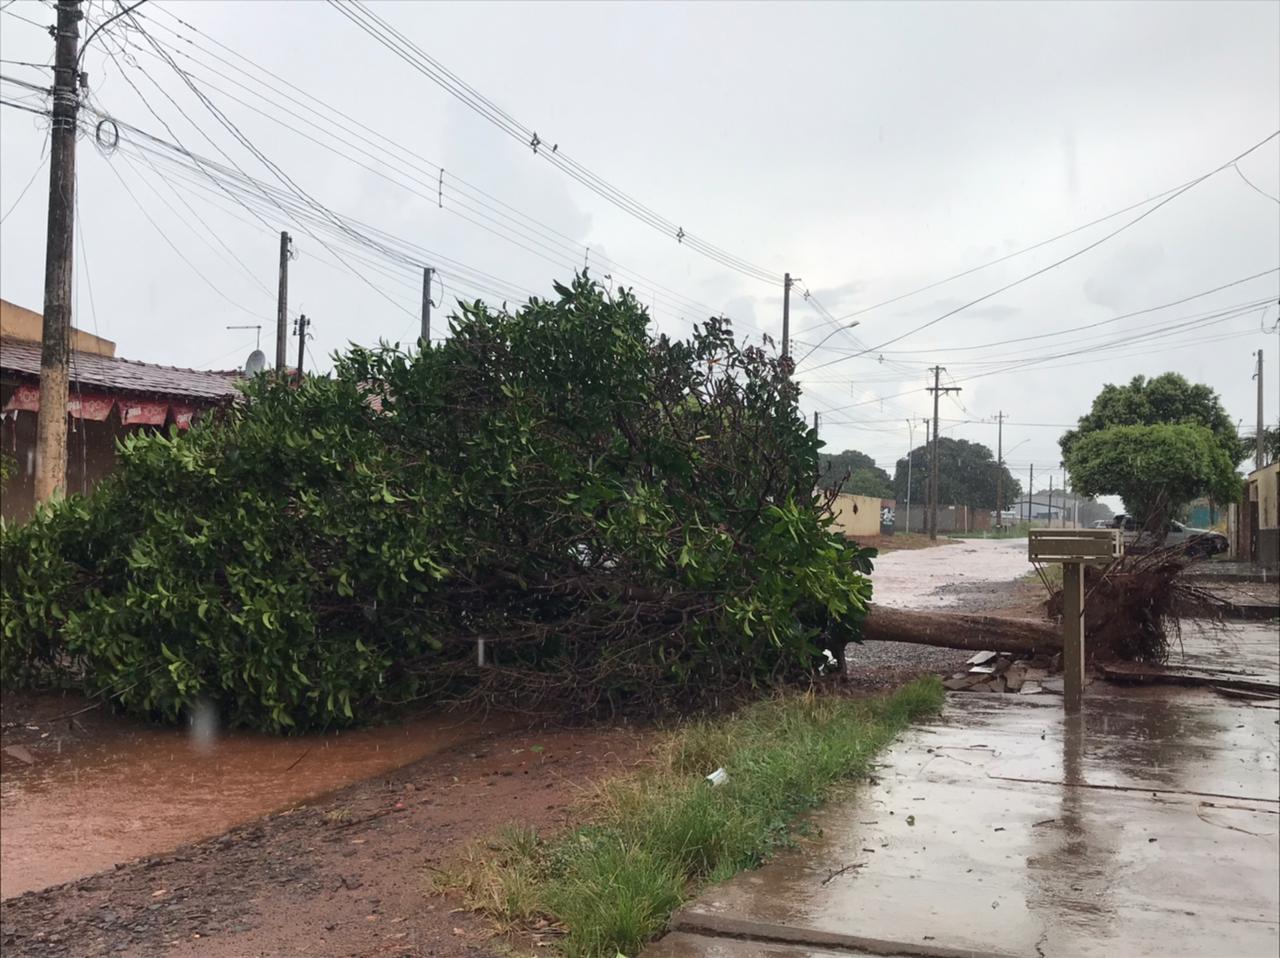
(937, 390)
(1258, 462)
(928, 483)
(55, 337)
(815, 421)
(910, 445)
(1051, 499)
(1031, 481)
(303, 324)
(1000, 470)
(425, 338)
(282, 307)
(786, 315)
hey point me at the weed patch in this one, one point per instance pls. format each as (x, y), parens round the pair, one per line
(651, 840)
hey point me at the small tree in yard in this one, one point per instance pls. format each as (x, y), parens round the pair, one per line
(1157, 443)
(628, 521)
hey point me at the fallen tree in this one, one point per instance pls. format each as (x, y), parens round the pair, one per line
(625, 520)
(1133, 605)
(951, 630)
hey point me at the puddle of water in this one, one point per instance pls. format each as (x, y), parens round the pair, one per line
(139, 791)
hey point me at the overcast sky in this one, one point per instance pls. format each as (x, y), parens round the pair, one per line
(869, 149)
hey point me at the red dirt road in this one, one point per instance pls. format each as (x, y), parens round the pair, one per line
(347, 876)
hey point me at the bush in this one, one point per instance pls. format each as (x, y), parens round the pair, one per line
(628, 521)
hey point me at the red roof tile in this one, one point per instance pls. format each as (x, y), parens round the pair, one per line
(124, 375)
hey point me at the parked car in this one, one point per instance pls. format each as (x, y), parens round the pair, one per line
(1197, 542)
(1104, 523)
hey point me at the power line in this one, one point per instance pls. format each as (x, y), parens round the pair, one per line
(36, 172)
(435, 187)
(1254, 186)
(395, 41)
(1066, 259)
(1104, 322)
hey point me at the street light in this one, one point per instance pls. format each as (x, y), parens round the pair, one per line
(856, 322)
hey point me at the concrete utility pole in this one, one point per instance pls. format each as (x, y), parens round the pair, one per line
(425, 338)
(1000, 470)
(303, 324)
(282, 307)
(786, 314)
(937, 390)
(910, 448)
(1259, 451)
(55, 345)
(928, 484)
(1031, 481)
(1050, 500)
(815, 420)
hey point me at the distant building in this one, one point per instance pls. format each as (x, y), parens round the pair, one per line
(109, 398)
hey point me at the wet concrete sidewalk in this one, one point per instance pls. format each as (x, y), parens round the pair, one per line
(1146, 827)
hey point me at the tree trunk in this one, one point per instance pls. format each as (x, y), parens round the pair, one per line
(977, 633)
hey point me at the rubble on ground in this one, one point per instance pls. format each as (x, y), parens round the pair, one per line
(1002, 672)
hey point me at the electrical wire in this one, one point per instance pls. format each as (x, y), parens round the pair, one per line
(1071, 330)
(458, 187)
(34, 174)
(1254, 186)
(1071, 256)
(395, 41)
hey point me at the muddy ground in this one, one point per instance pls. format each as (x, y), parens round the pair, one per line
(346, 875)
(349, 874)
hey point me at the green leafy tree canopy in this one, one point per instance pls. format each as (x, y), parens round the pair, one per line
(853, 472)
(968, 476)
(1168, 398)
(628, 521)
(1156, 469)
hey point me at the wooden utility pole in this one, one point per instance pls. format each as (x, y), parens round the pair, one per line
(55, 337)
(786, 315)
(282, 307)
(303, 323)
(1000, 470)
(1259, 451)
(425, 338)
(937, 390)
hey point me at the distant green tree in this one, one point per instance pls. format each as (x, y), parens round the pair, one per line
(967, 476)
(1270, 445)
(855, 473)
(1157, 470)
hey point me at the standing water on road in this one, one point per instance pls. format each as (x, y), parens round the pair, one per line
(918, 578)
(132, 790)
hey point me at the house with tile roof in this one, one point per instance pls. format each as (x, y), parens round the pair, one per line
(110, 397)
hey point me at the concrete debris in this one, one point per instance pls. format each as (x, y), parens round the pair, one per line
(1001, 672)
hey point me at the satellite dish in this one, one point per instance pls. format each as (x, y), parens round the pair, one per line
(256, 362)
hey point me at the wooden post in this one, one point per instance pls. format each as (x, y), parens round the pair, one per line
(1073, 635)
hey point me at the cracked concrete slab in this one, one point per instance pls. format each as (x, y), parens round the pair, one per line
(1148, 826)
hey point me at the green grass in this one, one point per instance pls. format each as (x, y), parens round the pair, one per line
(653, 839)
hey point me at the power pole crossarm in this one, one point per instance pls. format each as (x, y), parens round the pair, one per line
(55, 344)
